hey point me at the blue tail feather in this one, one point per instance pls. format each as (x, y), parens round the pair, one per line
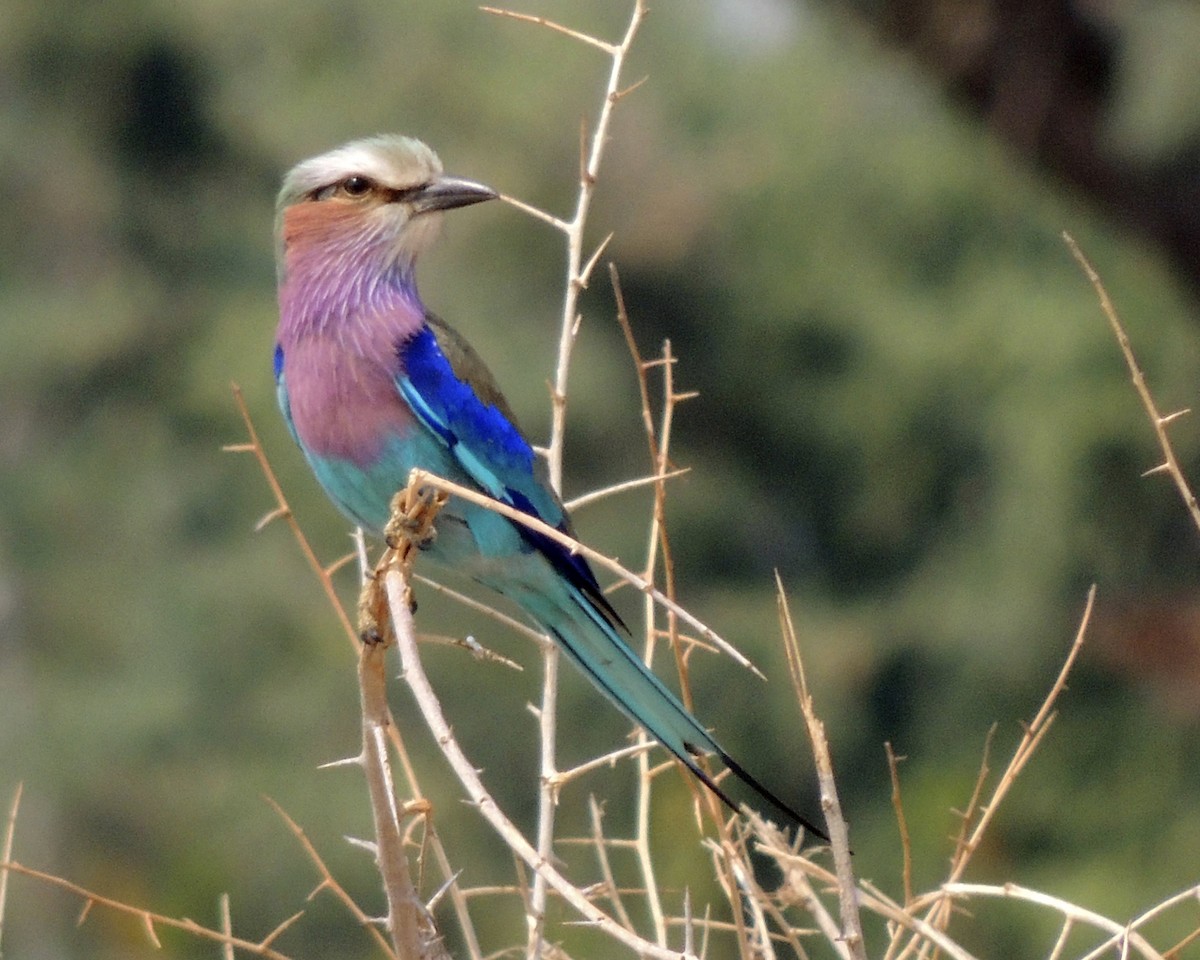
(591, 640)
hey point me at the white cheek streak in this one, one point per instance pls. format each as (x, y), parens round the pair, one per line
(416, 237)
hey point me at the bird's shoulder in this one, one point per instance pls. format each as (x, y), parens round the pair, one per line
(469, 367)
(528, 489)
(452, 390)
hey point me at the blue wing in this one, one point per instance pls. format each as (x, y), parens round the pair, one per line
(454, 395)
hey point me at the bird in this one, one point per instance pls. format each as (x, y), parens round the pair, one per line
(372, 384)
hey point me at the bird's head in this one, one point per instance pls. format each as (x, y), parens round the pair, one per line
(376, 202)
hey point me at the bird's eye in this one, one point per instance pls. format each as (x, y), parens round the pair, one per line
(353, 187)
(356, 186)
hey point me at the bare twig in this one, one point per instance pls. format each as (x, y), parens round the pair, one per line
(411, 524)
(658, 549)
(283, 510)
(798, 886)
(512, 623)
(901, 822)
(547, 794)
(10, 832)
(410, 928)
(324, 575)
(967, 815)
(1060, 945)
(839, 835)
(608, 48)
(872, 899)
(796, 868)
(1029, 742)
(601, 846)
(1120, 934)
(591, 155)
(1159, 421)
(604, 760)
(149, 920)
(328, 882)
(226, 916)
(938, 903)
(604, 492)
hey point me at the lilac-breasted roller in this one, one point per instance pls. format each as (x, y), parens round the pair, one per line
(372, 385)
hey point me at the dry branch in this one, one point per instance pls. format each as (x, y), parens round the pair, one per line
(468, 776)
(578, 272)
(10, 832)
(150, 920)
(839, 834)
(1158, 421)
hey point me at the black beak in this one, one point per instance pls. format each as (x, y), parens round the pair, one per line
(446, 193)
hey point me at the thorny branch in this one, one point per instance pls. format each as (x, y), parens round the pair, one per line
(324, 574)
(149, 920)
(1158, 421)
(578, 274)
(397, 592)
(917, 927)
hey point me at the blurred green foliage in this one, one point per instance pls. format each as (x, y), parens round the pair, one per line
(910, 406)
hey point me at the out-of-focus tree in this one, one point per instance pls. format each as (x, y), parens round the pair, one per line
(1099, 95)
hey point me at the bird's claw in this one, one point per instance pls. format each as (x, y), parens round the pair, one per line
(402, 530)
(411, 522)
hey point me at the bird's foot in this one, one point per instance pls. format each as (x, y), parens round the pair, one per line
(411, 522)
(401, 535)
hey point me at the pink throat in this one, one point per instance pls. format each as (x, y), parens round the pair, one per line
(341, 271)
(346, 305)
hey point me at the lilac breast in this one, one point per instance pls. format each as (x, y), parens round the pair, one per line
(343, 404)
